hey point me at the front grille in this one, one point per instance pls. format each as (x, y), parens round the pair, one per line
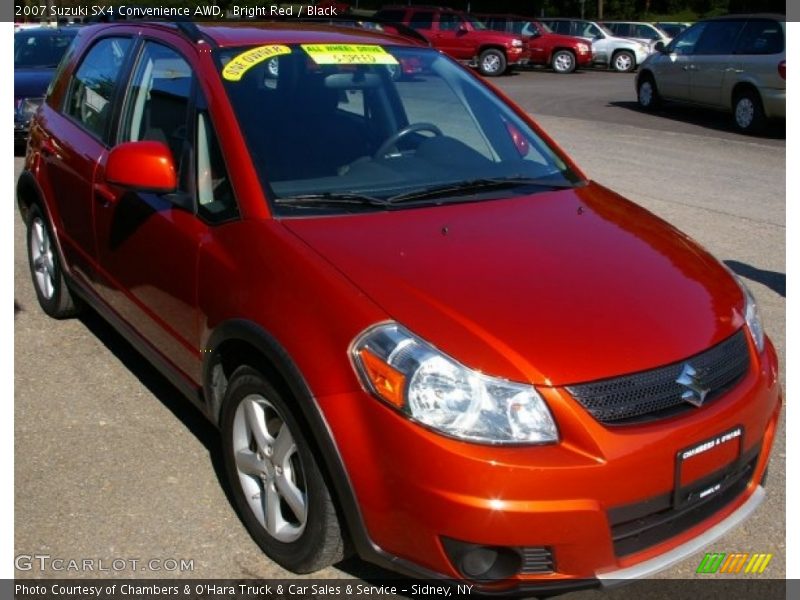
(656, 394)
(536, 560)
(638, 526)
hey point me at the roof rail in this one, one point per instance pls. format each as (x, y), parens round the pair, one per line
(191, 31)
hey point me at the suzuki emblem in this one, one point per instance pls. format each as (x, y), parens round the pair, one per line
(690, 378)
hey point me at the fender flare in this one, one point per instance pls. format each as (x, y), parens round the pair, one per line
(279, 359)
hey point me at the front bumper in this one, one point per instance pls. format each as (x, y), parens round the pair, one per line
(584, 59)
(518, 56)
(415, 487)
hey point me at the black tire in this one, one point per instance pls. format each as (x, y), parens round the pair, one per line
(647, 93)
(51, 288)
(623, 61)
(318, 541)
(563, 62)
(748, 112)
(492, 63)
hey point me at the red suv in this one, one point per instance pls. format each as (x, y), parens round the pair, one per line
(423, 333)
(562, 53)
(463, 37)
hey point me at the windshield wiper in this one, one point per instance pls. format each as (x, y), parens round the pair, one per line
(476, 185)
(330, 199)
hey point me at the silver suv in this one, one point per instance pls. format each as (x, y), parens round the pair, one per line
(620, 54)
(735, 63)
(647, 33)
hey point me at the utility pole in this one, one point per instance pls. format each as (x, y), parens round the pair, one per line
(599, 10)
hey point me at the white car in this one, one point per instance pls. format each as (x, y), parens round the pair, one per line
(620, 54)
(646, 33)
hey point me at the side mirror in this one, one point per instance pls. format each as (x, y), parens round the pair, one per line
(142, 166)
(462, 30)
(660, 47)
(600, 36)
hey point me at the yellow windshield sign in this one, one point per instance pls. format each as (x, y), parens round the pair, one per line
(348, 54)
(240, 64)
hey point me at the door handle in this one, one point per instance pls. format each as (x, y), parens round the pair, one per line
(49, 148)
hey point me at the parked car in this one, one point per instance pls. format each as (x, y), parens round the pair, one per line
(37, 52)
(608, 50)
(463, 37)
(647, 33)
(672, 28)
(377, 290)
(562, 53)
(733, 63)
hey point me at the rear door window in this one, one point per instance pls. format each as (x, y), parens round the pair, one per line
(421, 19)
(448, 22)
(761, 37)
(89, 101)
(719, 37)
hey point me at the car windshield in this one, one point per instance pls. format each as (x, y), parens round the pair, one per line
(377, 126)
(40, 49)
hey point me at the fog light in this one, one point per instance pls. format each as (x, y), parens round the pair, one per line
(483, 563)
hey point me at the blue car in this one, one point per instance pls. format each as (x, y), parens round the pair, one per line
(37, 53)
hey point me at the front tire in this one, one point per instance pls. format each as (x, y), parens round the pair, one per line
(52, 292)
(647, 93)
(563, 62)
(492, 63)
(623, 61)
(278, 488)
(748, 112)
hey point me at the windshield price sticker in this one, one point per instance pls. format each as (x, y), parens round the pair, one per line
(348, 54)
(239, 65)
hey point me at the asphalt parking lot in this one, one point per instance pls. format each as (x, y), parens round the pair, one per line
(111, 463)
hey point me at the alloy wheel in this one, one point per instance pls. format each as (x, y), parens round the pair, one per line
(42, 258)
(269, 467)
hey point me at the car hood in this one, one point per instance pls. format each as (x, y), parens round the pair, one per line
(31, 83)
(553, 288)
(557, 38)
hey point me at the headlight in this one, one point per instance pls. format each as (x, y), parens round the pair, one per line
(752, 316)
(25, 108)
(433, 389)
(583, 47)
(516, 43)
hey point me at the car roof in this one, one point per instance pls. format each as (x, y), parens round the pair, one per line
(278, 32)
(422, 7)
(505, 15)
(735, 17)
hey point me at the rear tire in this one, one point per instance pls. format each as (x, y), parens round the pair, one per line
(51, 287)
(279, 490)
(647, 93)
(563, 62)
(492, 63)
(748, 112)
(623, 61)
